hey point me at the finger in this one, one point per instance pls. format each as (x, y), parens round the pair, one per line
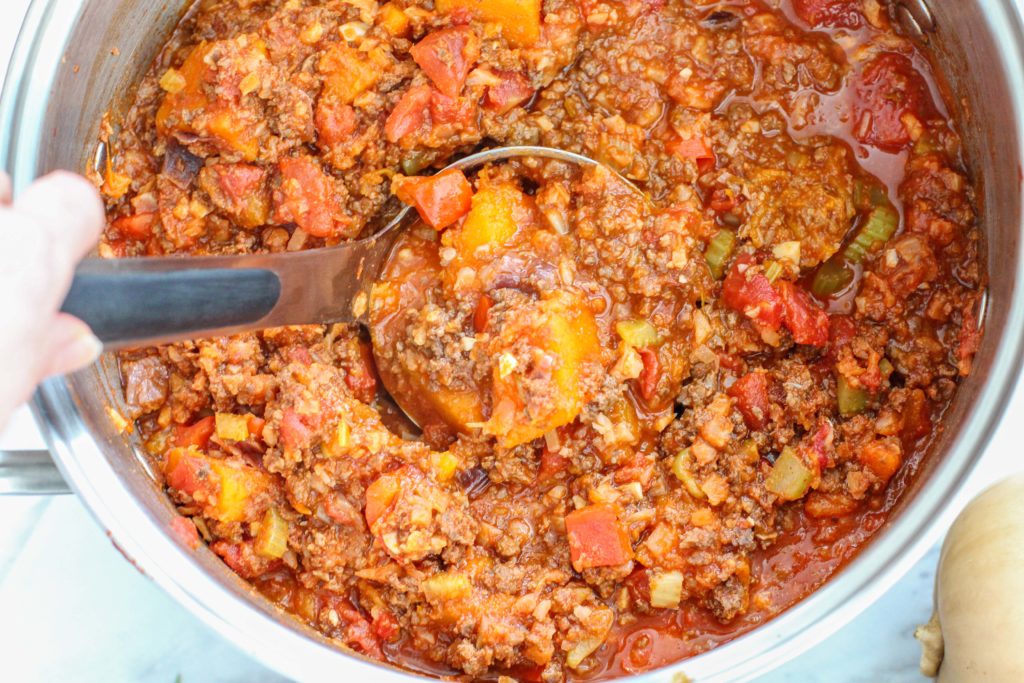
(72, 346)
(69, 207)
(5, 188)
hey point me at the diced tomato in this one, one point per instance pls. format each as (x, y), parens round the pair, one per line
(359, 634)
(240, 190)
(379, 496)
(385, 626)
(821, 443)
(239, 181)
(831, 13)
(255, 425)
(362, 375)
(293, 431)
(409, 114)
(690, 148)
(596, 538)
(804, 318)
(444, 110)
(335, 122)
(551, 463)
(887, 90)
(447, 56)
(721, 200)
(841, 331)
(917, 420)
(513, 90)
(752, 294)
(138, 226)
(639, 585)
(482, 313)
(647, 382)
(242, 558)
(751, 394)
(440, 199)
(184, 529)
(197, 434)
(191, 474)
(306, 196)
(299, 354)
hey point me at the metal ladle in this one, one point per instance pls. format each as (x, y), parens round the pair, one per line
(142, 301)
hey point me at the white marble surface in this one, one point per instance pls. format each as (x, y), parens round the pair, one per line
(74, 609)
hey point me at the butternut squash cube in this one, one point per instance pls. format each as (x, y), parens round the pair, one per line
(549, 384)
(519, 19)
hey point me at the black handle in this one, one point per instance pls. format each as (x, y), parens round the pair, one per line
(124, 307)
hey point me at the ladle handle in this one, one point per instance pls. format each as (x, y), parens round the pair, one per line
(125, 306)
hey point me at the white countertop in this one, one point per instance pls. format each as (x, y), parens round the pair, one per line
(62, 582)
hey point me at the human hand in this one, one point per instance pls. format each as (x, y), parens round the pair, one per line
(43, 235)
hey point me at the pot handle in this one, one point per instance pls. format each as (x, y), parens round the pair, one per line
(30, 473)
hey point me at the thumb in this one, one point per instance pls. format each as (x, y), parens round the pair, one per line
(72, 346)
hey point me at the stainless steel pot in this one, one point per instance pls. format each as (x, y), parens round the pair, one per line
(76, 57)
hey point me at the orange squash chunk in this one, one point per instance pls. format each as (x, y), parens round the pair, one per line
(519, 19)
(207, 101)
(544, 359)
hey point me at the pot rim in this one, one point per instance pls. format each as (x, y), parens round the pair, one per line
(144, 541)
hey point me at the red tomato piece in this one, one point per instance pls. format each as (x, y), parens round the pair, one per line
(361, 377)
(385, 626)
(184, 529)
(379, 496)
(831, 13)
(451, 110)
(440, 199)
(305, 196)
(409, 114)
(482, 313)
(751, 394)
(513, 90)
(596, 538)
(334, 122)
(751, 294)
(647, 382)
(841, 331)
(821, 443)
(255, 425)
(722, 200)
(691, 148)
(138, 226)
(551, 463)
(197, 434)
(190, 475)
(888, 89)
(447, 56)
(804, 318)
(917, 420)
(293, 431)
(242, 558)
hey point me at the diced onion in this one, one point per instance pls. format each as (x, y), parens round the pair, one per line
(446, 586)
(666, 589)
